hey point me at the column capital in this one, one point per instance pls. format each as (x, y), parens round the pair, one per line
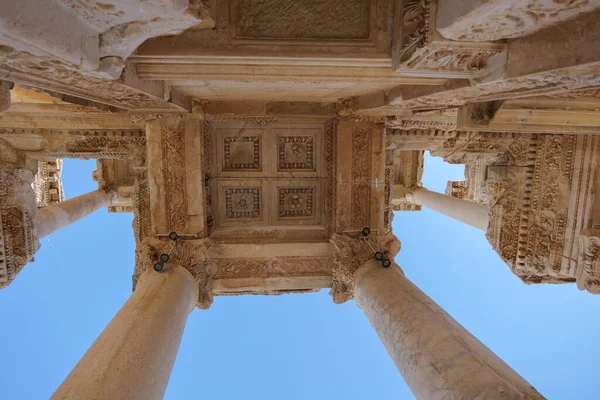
(350, 254)
(192, 255)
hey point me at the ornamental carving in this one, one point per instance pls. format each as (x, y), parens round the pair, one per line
(296, 202)
(349, 254)
(538, 211)
(241, 153)
(47, 183)
(362, 140)
(175, 178)
(193, 255)
(296, 153)
(588, 270)
(243, 203)
(17, 210)
(414, 28)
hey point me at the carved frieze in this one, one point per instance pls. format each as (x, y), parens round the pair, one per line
(540, 207)
(588, 269)
(17, 210)
(47, 183)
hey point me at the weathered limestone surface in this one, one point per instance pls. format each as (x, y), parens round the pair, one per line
(133, 357)
(17, 209)
(57, 216)
(95, 37)
(490, 20)
(4, 96)
(438, 358)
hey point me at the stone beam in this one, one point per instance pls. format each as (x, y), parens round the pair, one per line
(76, 143)
(176, 176)
(361, 176)
(513, 118)
(491, 20)
(30, 71)
(554, 60)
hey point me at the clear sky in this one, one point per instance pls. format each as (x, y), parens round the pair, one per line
(292, 346)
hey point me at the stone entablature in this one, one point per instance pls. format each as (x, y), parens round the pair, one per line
(47, 184)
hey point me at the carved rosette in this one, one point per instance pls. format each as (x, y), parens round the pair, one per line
(193, 255)
(588, 269)
(349, 254)
(17, 209)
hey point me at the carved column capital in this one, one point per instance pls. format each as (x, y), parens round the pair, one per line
(350, 254)
(193, 255)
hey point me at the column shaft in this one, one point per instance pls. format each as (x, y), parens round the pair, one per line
(55, 217)
(133, 357)
(438, 358)
(465, 211)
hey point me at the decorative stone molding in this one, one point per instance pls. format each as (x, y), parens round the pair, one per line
(588, 268)
(94, 38)
(48, 184)
(539, 208)
(491, 20)
(418, 48)
(193, 255)
(17, 209)
(349, 254)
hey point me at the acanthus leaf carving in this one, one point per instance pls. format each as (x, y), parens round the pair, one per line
(349, 254)
(193, 255)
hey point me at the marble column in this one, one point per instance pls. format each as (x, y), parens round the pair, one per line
(133, 357)
(55, 217)
(465, 211)
(438, 358)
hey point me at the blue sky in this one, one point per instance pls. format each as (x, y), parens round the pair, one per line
(292, 346)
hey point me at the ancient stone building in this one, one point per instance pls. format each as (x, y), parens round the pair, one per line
(253, 140)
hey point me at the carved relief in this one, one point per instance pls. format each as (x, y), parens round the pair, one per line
(17, 210)
(47, 183)
(304, 19)
(414, 28)
(296, 202)
(243, 203)
(241, 153)
(349, 255)
(174, 175)
(193, 255)
(496, 20)
(362, 140)
(538, 207)
(588, 270)
(235, 268)
(296, 153)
